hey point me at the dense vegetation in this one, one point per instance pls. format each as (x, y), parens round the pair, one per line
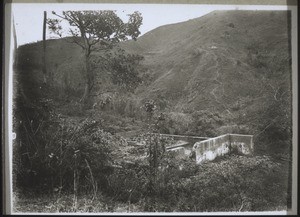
(69, 157)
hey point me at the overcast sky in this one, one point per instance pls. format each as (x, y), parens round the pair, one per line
(28, 17)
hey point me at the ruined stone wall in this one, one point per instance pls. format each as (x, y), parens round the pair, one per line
(209, 149)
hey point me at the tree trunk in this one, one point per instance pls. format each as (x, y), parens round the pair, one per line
(87, 87)
(89, 77)
(44, 49)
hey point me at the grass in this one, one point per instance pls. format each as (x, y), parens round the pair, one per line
(201, 189)
(102, 204)
(65, 204)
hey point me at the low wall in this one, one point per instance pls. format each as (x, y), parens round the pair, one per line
(183, 150)
(209, 149)
(242, 143)
(189, 139)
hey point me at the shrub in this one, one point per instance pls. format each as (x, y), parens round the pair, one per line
(78, 151)
(205, 122)
(240, 129)
(245, 179)
(128, 183)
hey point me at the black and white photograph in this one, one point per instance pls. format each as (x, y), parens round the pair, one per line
(152, 109)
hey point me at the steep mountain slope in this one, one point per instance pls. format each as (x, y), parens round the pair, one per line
(204, 62)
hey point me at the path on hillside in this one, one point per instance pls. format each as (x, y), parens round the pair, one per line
(216, 66)
(216, 78)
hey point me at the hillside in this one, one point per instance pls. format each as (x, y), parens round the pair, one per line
(202, 63)
(232, 63)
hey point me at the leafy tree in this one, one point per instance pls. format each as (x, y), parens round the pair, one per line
(124, 69)
(95, 31)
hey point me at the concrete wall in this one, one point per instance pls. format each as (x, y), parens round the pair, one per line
(186, 147)
(209, 149)
(242, 143)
